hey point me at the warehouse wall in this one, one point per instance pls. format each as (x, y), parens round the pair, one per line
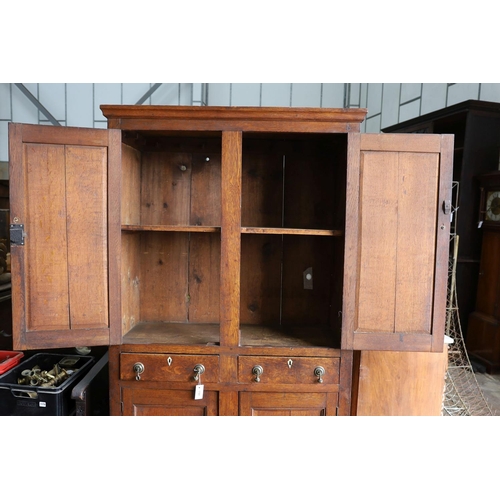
(77, 104)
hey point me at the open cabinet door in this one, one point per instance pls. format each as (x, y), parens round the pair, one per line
(64, 207)
(397, 237)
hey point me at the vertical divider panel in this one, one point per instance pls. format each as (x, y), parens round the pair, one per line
(230, 238)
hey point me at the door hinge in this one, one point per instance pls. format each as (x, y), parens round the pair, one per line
(17, 234)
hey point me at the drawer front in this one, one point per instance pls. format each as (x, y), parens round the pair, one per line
(281, 370)
(169, 367)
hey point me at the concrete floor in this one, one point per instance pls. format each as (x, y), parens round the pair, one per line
(490, 385)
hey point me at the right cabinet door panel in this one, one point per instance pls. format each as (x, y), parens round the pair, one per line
(269, 404)
(397, 239)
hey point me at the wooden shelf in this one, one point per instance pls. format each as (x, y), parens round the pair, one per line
(157, 332)
(250, 335)
(182, 229)
(288, 336)
(292, 231)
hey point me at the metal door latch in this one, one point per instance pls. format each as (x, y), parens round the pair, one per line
(17, 234)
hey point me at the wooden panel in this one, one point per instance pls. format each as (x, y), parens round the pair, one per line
(309, 193)
(169, 367)
(378, 242)
(168, 403)
(261, 279)
(204, 277)
(287, 404)
(130, 273)
(416, 241)
(262, 190)
(415, 143)
(205, 209)
(230, 238)
(46, 242)
(401, 383)
(166, 188)
(164, 277)
(86, 172)
(301, 305)
(131, 186)
(402, 244)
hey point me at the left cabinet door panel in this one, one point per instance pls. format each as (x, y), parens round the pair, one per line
(168, 403)
(63, 273)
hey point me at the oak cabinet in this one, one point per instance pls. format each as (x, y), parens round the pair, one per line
(232, 239)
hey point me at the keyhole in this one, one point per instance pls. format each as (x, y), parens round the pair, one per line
(290, 363)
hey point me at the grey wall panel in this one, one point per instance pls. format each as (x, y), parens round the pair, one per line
(79, 104)
(276, 94)
(410, 91)
(5, 104)
(306, 95)
(132, 92)
(374, 98)
(245, 94)
(219, 94)
(166, 94)
(490, 92)
(106, 93)
(185, 94)
(23, 110)
(390, 104)
(409, 110)
(53, 98)
(460, 92)
(433, 97)
(333, 95)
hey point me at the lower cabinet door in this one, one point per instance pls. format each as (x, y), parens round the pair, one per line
(288, 404)
(168, 402)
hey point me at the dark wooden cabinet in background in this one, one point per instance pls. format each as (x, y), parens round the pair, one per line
(483, 334)
(248, 250)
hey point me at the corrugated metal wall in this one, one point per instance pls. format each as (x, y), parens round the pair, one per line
(74, 104)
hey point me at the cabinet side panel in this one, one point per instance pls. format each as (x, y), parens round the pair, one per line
(416, 243)
(376, 293)
(131, 185)
(86, 185)
(46, 243)
(130, 283)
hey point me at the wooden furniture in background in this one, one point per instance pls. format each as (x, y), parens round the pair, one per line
(483, 334)
(248, 250)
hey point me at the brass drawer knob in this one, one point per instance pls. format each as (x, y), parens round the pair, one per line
(198, 371)
(319, 371)
(138, 369)
(257, 370)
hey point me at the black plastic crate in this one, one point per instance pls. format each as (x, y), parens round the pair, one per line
(24, 400)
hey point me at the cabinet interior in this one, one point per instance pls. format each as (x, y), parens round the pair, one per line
(292, 238)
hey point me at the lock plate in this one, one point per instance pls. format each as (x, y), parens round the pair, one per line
(17, 234)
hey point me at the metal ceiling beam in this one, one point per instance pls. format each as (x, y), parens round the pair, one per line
(148, 94)
(38, 104)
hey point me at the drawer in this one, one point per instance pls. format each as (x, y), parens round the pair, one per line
(293, 370)
(169, 367)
